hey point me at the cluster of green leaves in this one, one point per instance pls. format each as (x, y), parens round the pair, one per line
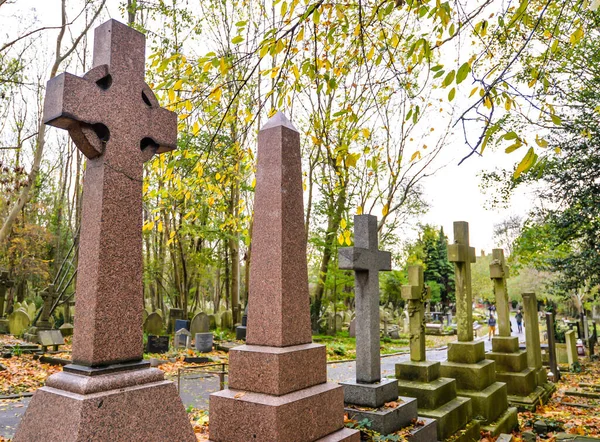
(431, 251)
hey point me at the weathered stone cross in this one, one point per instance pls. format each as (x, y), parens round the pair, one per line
(413, 295)
(366, 261)
(498, 274)
(5, 283)
(462, 255)
(49, 296)
(116, 121)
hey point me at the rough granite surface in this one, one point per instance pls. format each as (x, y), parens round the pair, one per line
(118, 130)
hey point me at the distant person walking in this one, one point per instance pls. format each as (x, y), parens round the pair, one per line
(492, 326)
(519, 319)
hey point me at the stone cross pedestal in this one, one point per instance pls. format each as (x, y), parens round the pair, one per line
(475, 375)
(498, 274)
(462, 255)
(109, 392)
(413, 295)
(370, 390)
(420, 379)
(278, 389)
(5, 283)
(511, 362)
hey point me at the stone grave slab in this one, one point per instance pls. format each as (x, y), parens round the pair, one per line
(18, 322)
(200, 324)
(154, 325)
(50, 338)
(204, 342)
(157, 344)
(183, 338)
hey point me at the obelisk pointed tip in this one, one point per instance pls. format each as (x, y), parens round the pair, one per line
(279, 119)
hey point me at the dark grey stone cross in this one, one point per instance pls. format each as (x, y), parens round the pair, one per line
(366, 261)
(116, 121)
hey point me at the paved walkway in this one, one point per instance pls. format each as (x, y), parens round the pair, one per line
(196, 387)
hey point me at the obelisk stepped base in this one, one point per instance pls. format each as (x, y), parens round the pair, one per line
(511, 368)
(476, 379)
(137, 405)
(301, 416)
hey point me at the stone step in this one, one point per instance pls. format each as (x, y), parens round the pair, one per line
(489, 403)
(451, 417)
(429, 395)
(506, 423)
(424, 433)
(387, 420)
(471, 433)
(518, 384)
(343, 435)
(529, 402)
(511, 362)
(477, 376)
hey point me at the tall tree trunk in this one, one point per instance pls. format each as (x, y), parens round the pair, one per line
(333, 225)
(25, 194)
(234, 253)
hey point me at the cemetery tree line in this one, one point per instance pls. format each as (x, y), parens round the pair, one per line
(363, 83)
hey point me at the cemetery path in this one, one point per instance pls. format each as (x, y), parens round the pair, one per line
(196, 387)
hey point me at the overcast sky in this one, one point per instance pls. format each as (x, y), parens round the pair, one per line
(454, 193)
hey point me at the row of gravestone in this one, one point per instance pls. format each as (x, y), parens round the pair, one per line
(200, 323)
(392, 323)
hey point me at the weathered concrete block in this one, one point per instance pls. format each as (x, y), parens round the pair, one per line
(370, 395)
(470, 376)
(489, 403)
(505, 344)
(429, 395)
(451, 417)
(425, 371)
(521, 383)
(513, 362)
(466, 352)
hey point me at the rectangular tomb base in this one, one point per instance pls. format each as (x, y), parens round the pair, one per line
(530, 402)
(146, 412)
(506, 423)
(387, 420)
(370, 395)
(302, 416)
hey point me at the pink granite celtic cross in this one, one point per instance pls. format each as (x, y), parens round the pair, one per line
(115, 120)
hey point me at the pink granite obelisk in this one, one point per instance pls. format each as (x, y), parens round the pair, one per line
(278, 389)
(109, 393)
